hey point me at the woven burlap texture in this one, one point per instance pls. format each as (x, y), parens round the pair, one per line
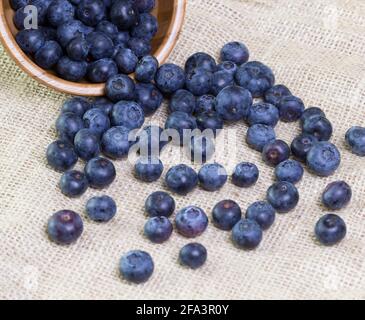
(316, 48)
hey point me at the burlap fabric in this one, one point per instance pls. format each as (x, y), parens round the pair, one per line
(317, 48)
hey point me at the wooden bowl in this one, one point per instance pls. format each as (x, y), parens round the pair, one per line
(170, 15)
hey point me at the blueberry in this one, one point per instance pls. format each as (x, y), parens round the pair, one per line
(263, 213)
(193, 255)
(181, 179)
(70, 30)
(263, 113)
(170, 78)
(355, 138)
(337, 195)
(101, 209)
(275, 152)
(182, 124)
(48, 55)
(60, 12)
(318, 126)
(289, 170)
(67, 125)
(136, 266)
(97, 121)
(182, 100)
(140, 47)
(255, 77)
(212, 177)
(220, 80)
(126, 61)
(91, 12)
(101, 46)
(73, 183)
(205, 103)
(17, 4)
(65, 227)
(236, 52)
(200, 60)
(42, 7)
(100, 172)
(146, 69)
(330, 230)
(324, 158)
(226, 214)
(191, 221)
(276, 93)
(148, 97)
(158, 229)
(20, 17)
(228, 66)
(87, 144)
(120, 87)
(151, 141)
(71, 70)
(100, 71)
(30, 40)
(245, 175)
(77, 105)
(145, 5)
(283, 196)
(201, 148)
(209, 121)
(121, 38)
(116, 142)
(302, 144)
(61, 155)
(110, 29)
(199, 81)
(233, 103)
(148, 169)
(78, 48)
(260, 135)
(146, 27)
(49, 33)
(160, 204)
(247, 234)
(123, 14)
(104, 104)
(310, 112)
(128, 114)
(291, 108)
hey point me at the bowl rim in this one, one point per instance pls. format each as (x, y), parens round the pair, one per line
(83, 89)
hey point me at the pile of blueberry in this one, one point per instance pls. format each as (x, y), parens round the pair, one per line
(93, 39)
(204, 95)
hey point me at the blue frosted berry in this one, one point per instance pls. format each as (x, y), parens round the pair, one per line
(212, 177)
(193, 255)
(101, 209)
(61, 155)
(205, 103)
(275, 152)
(291, 108)
(148, 169)
(120, 87)
(126, 60)
(146, 27)
(101, 70)
(128, 114)
(276, 93)
(301, 146)
(158, 229)
(289, 170)
(318, 126)
(209, 122)
(65, 227)
(310, 112)
(71, 70)
(30, 40)
(59, 12)
(355, 138)
(181, 179)
(220, 80)
(226, 214)
(73, 183)
(170, 78)
(263, 213)
(323, 159)
(97, 121)
(100, 172)
(228, 66)
(330, 230)
(247, 234)
(87, 144)
(141, 47)
(236, 52)
(160, 204)
(337, 195)
(104, 104)
(77, 105)
(245, 175)
(116, 142)
(180, 125)
(283, 196)
(199, 81)
(146, 69)
(68, 124)
(200, 60)
(260, 135)
(263, 113)
(191, 221)
(136, 266)
(48, 55)
(182, 100)
(148, 97)
(91, 12)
